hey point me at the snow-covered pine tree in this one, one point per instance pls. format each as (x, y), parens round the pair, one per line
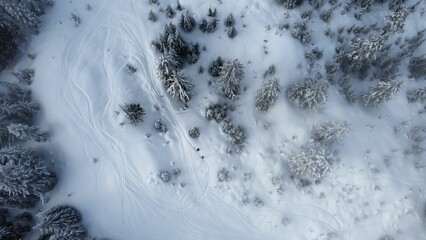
(396, 19)
(417, 67)
(289, 4)
(387, 70)
(166, 65)
(415, 95)
(211, 25)
(59, 220)
(18, 111)
(187, 22)
(311, 160)
(134, 112)
(10, 153)
(230, 78)
(231, 31)
(203, 25)
(381, 93)
(170, 13)
(267, 94)
(316, 3)
(363, 52)
(301, 32)
(12, 228)
(329, 132)
(308, 94)
(179, 6)
(179, 85)
(25, 76)
(20, 12)
(26, 132)
(212, 12)
(215, 66)
(229, 20)
(193, 53)
(152, 16)
(413, 44)
(26, 177)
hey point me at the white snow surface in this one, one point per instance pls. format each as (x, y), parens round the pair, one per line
(109, 170)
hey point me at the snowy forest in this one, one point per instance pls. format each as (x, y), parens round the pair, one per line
(220, 119)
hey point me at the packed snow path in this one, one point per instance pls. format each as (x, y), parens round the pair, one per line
(110, 170)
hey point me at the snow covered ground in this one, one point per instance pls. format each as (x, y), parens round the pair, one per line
(111, 170)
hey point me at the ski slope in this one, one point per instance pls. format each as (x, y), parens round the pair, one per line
(109, 169)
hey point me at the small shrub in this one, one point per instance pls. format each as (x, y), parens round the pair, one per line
(223, 175)
(131, 68)
(76, 19)
(160, 126)
(164, 176)
(134, 112)
(194, 132)
(152, 17)
(212, 12)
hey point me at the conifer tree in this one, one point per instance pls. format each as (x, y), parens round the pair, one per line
(381, 93)
(187, 22)
(308, 94)
(178, 85)
(267, 94)
(230, 78)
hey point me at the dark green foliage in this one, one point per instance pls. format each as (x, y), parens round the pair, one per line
(203, 25)
(212, 12)
(211, 25)
(416, 95)
(14, 228)
(301, 32)
(218, 112)
(134, 112)
(237, 133)
(194, 132)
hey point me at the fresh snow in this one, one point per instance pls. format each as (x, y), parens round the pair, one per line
(109, 170)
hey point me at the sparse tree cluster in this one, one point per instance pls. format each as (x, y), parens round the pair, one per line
(289, 4)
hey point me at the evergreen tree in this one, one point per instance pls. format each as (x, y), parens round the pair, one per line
(308, 94)
(328, 132)
(211, 25)
(364, 52)
(267, 94)
(301, 32)
(61, 221)
(20, 12)
(229, 20)
(25, 132)
(152, 16)
(396, 20)
(203, 25)
(312, 160)
(230, 78)
(416, 95)
(289, 4)
(232, 32)
(193, 53)
(166, 65)
(26, 177)
(8, 44)
(170, 13)
(134, 112)
(417, 67)
(179, 85)
(212, 12)
(381, 93)
(215, 66)
(187, 22)
(316, 3)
